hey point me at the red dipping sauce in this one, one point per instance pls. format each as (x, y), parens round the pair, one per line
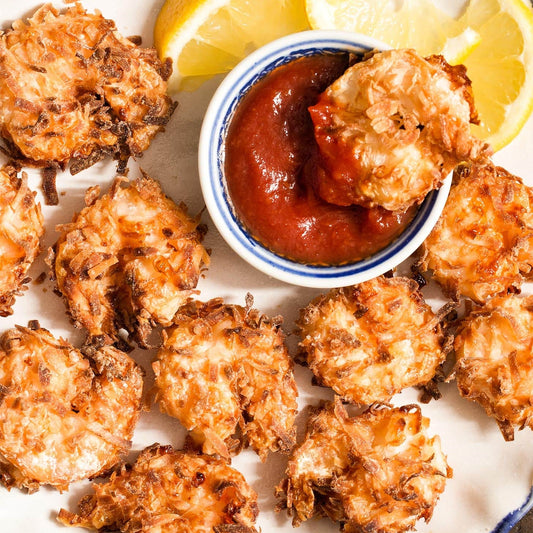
(271, 168)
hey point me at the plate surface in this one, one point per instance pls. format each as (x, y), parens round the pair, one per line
(491, 477)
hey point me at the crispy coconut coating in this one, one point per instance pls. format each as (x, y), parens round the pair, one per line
(392, 127)
(378, 472)
(130, 259)
(482, 244)
(226, 367)
(73, 89)
(167, 491)
(372, 340)
(494, 367)
(21, 227)
(63, 416)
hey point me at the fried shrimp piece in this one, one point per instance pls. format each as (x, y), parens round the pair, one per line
(482, 244)
(130, 259)
(391, 128)
(225, 367)
(21, 227)
(63, 416)
(73, 89)
(494, 366)
(370, 341)
(379, 471)
(167, 491)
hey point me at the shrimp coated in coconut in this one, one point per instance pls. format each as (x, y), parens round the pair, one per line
(482, 244)
(21, 227)
(73, 89)
(225, 367)
(494, 366)
(170, 491)
(129, 260)
(372, 340)
(379, 471)
(63, 416)
(391, 128)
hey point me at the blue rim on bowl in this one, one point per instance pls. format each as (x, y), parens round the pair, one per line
(218, 201)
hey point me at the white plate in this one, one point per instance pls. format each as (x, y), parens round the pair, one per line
(491, 477)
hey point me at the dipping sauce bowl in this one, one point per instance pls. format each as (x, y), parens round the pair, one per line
(213, 158)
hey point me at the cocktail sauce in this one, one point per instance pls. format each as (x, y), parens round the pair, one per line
(271, 171)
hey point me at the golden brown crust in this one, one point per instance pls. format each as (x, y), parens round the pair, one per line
(169, 491)
(459, 80)
(63, 416)
(372, 340)
(129, 259)
(377, 472)
(392, 128)
(482, 244)
(493, 349)
(21, 227)
(223, 368)
(113, 104)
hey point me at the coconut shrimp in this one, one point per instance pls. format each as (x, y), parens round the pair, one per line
(378, 471)
(63, 416)
(493, 348)
(372, 340)
(72, 89)
(391, 128)
(129, 260)
(21, 227)
(225, 367)
(482, 244)
(168, 491)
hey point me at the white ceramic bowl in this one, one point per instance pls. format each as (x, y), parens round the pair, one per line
(213, 182)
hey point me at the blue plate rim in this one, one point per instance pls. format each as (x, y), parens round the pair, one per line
(512, 519)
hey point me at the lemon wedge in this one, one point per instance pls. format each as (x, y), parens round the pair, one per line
(417, 24)
(501, 67)
(208, 37)
(457, 49)
(493, 38)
